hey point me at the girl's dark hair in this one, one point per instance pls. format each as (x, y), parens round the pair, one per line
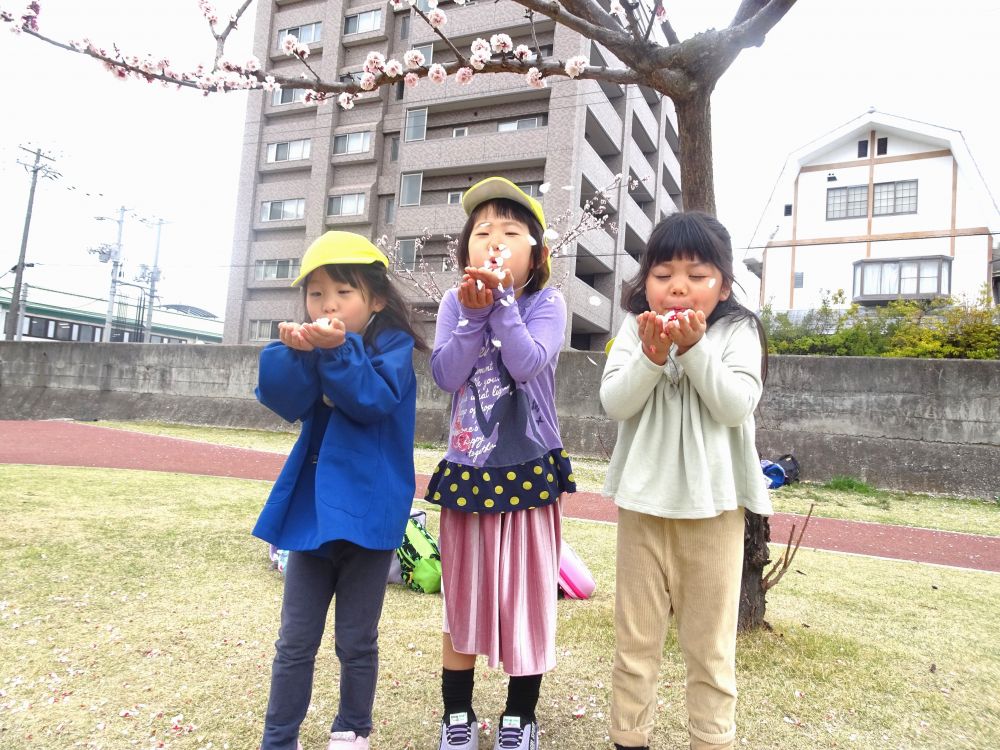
(372, 279)
(693, 235)
(508, 209)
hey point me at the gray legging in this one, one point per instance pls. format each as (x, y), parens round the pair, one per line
(357, 576)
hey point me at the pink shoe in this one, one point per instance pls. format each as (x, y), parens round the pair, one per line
(347, 741)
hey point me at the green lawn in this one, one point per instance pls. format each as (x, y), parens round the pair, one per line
(136, 609)
(881, 506)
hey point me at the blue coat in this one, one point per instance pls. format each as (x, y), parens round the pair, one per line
(350, 474)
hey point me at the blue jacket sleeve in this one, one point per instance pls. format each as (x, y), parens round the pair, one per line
(367, 387)
(287, 381)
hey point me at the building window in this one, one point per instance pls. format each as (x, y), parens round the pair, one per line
(902, 277)
(454, 197)
(459, 132)
(404, 27)
(800, 279)
(264, 330)
(293, 208)
(352, 204)
(847, 202)
(531, 188)
(545, 49)
(394, 148)
(390, 210)
(788, 209)
(352, 77)
(410, 186)
(863, 149)
(283, 268)
(288, 96)
(407, 256)
(882, 146)
(288, 151)
(59, 330)
(895, 198)
(370, 20)
(416, 125)
(427, 50)
(400, 91)
(352, 143)
(306, 34)
(524, 123)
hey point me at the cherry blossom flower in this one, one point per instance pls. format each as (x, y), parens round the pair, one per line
(269, 84)
(397, 4)
(661, 12)
(502, 42)
(522, 52)
(367, 81)
(437, 73)
(576, 65)
(481, 48)
(393, 68)
(288, 44)
(413, 58)
(302, 51)
(464, 76)
(411, 79)
(535, 79)
(437, 18)
(478, 62)
(346, 100)
(375, 62)
(252, 65)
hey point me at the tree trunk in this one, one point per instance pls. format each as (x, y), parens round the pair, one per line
(756, 535)
(694, 125)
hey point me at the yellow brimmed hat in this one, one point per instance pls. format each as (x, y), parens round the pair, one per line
(499, 187)
(341, 248)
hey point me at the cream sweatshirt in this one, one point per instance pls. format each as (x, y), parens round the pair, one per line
(686, 445)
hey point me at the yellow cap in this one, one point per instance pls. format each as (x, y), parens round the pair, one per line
(340, 248)
(500, 187)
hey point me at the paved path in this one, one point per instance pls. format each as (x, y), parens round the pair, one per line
(61, 443)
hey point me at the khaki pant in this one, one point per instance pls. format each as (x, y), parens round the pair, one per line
(692, 569)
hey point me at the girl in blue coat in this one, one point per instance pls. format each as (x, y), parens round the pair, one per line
(343, 497)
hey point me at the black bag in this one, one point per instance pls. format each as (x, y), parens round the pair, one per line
(789, 463)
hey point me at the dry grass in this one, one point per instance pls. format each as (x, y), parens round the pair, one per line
(136, 609)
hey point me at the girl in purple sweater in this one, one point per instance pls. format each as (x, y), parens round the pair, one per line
(497, 342)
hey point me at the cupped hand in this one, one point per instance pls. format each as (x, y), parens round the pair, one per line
(655, 341)
(325, 336)
(290, 334)
(687, 330)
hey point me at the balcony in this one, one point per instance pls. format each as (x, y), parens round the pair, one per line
(637, 220)
(479, 152)
(591, 310)
(604, 128)
(640, 168)
(595, 252)
(597, 175)
(491, 88)
(648, 131)
(439, 218)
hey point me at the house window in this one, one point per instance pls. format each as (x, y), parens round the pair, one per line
(847, 202)
(531, 188)
(902, 277)
(410, 186)
(352, 143)
(394, 148)
(288, 151)
(287, 96)
(863, 149)
(788, 209)
(352, 204)
(895, 198)
(283, 268)
(306, 34)
(407, 255)
(390, 210)
(882, 146)
(264, 330)
(404, 27)
(454, 197)
(416, 125)
(524, 123)
(370, 20)
(800, 278)
(459, 132)
(284, 210)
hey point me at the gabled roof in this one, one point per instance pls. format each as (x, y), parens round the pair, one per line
(883, 122)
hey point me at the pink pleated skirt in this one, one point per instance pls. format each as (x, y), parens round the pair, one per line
(499, 578)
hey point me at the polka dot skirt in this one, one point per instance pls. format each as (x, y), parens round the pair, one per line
(501, 489)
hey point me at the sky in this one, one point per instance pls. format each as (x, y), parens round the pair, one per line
(175, 154)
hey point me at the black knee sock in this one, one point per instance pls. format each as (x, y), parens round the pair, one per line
(456, 689)
(522, 697)
(631, 747)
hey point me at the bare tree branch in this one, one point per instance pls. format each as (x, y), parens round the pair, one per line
(458, 55)
(588, 10)
(606, 36)
(222, 37)
(747, 10)
(781, 565)
(752, 32)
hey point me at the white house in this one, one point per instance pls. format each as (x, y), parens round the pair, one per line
(882, 208)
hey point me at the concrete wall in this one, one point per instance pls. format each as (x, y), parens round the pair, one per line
(919, 425)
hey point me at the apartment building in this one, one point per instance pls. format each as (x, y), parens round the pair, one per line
(397, 163)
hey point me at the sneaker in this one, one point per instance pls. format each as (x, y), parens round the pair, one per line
(512, 736)
(459, 733)
(347, 741)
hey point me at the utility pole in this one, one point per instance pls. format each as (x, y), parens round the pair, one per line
(154, 276)
(114, 254)
(11, 324)
(22, 308)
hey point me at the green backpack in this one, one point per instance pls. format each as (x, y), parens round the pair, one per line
(419, 559)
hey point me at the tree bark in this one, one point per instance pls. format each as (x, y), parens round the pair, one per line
(694, 125)
(756, 556)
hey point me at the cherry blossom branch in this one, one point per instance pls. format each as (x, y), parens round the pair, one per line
(550, 8)
(435, 26)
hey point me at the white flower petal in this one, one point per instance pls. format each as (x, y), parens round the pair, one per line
(544, 188)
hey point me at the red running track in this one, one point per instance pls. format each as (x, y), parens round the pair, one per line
(59, 443)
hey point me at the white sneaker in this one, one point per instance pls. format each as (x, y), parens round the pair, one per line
(347, 741)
